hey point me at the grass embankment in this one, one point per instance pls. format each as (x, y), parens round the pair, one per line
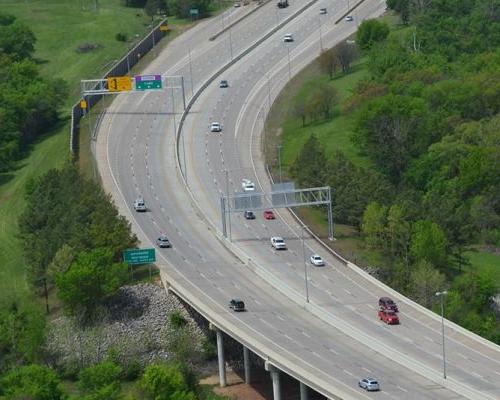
(284, 127)
(60, 27)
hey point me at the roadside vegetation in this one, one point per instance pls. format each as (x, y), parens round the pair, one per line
(61, 238)
(408, 139)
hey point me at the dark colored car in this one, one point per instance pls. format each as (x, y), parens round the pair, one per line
(237, 305)
(224, 84)
(282, 4)
(387, 303)
(249, 215)
(389, 317)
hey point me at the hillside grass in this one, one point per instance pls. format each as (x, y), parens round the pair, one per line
(60, 26)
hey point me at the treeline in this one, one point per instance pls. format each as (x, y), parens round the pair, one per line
(73, 239)
(28, 102)
(177, 8)
(106, 381)
(428, 119)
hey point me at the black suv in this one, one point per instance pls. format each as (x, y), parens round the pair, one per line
(237, 305)
(387, 304)
(249, 215)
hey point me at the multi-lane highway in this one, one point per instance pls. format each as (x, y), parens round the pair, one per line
(335, 339)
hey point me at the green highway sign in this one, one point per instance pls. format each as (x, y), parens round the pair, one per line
(146, 82)
(139, 256)
(194, 12)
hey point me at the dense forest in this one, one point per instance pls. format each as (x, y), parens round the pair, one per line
(428, 120)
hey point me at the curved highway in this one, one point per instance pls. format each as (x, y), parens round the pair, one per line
(335, 339)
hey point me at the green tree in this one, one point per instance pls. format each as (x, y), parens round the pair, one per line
(17, 40)
(101, 381)
(428, 243)
(371, 31)
(391, 129)
(402, 7)
(308, 169)
(151, 8)
(398, 232)
(163, 381)
(373, 226)
(90, 279)
(33, 382)
(22, 335)
(425, 281)
(60, 263)
(322, 99)
(328, 62)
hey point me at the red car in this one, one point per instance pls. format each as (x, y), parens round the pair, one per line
(389, 317)
(268, 214)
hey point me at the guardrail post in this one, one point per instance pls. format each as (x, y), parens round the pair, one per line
(275, 376)
(220, 356)
(304, 394)
(246, 364)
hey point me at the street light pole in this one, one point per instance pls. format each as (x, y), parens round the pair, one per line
(228, 205)
(320, 36)
(279, 161)
(304, 259)
(441, 295)
(289, 67)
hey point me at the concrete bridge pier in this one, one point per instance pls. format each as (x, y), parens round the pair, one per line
(275, 376)
(246, 364)
(304, 391)
(220, 356)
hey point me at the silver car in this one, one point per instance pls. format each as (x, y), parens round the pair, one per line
(369, 384)
(163, 241)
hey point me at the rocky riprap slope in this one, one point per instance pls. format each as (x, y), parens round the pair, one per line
(133, 326)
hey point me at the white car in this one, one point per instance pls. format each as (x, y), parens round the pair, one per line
(317, 260)
(288, 38)
(369, 384)
(139, 204)
(349, 18)
(278, 243)
(215, 127)
(247, 185)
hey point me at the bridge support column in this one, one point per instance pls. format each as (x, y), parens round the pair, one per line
(220, 356)
(304, 393)
(275, 376)
(246, 364)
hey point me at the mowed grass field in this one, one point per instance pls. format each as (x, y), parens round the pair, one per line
(60, 26)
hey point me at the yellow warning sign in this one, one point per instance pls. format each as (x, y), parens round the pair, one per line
(83, 104)
(163, 28)
(119, 83)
